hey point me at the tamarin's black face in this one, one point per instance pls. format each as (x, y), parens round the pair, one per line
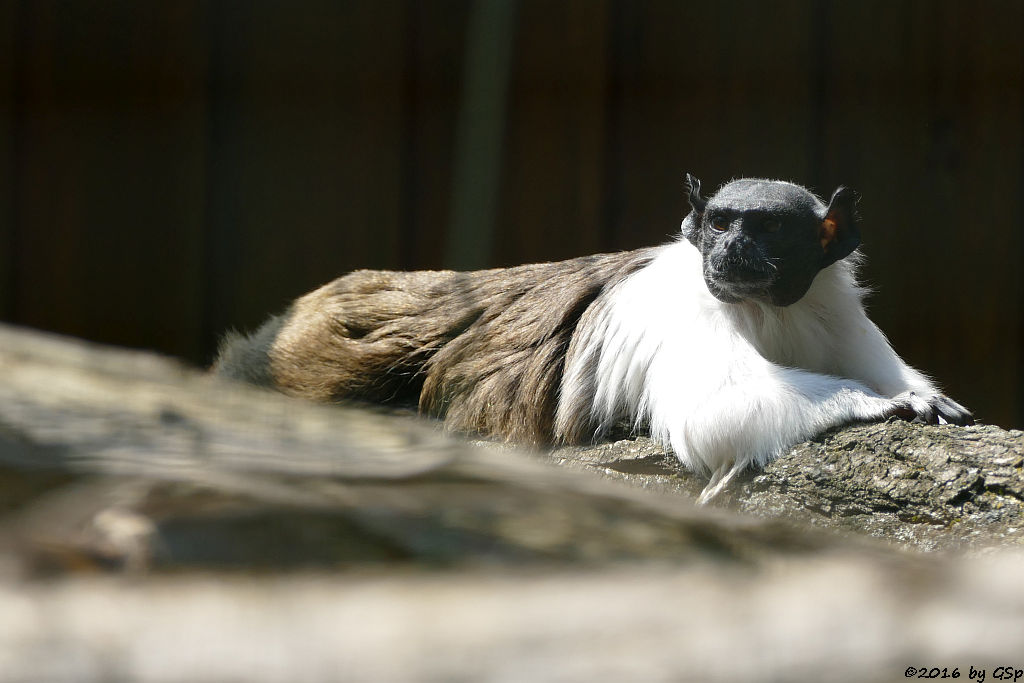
(765, 240)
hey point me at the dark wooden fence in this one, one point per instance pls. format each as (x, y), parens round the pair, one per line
(170, 169)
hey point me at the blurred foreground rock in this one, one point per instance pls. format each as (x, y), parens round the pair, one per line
(159, 525)
(837, 618)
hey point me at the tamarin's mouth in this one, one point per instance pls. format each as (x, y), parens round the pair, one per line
(746, 276)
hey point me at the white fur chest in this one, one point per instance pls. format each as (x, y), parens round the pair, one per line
(797, 336)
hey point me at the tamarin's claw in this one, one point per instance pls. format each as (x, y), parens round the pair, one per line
(719, 480)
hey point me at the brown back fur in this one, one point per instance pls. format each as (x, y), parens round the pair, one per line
(484, 350)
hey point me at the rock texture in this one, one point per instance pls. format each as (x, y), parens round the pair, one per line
(159, 525)
(925, 487)
(920, 486)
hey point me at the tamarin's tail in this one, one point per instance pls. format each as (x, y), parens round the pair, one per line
(363, 336)
(246, 358)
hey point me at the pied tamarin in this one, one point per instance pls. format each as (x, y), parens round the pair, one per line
(740, 339)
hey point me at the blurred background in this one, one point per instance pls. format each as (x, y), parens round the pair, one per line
(169, 170)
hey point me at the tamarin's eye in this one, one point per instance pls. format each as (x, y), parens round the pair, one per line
(719, 223)
(771, 225)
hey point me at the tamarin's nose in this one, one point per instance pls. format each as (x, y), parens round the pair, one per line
(740, 245)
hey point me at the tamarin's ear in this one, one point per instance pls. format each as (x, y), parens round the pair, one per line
(838, 232)
(697, 203)
(691, 223)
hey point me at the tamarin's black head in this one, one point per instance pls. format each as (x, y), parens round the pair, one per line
(767, 239)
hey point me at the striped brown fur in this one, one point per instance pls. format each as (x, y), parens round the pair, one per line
(483, 350)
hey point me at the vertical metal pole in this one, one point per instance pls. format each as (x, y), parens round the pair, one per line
(480, 134)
